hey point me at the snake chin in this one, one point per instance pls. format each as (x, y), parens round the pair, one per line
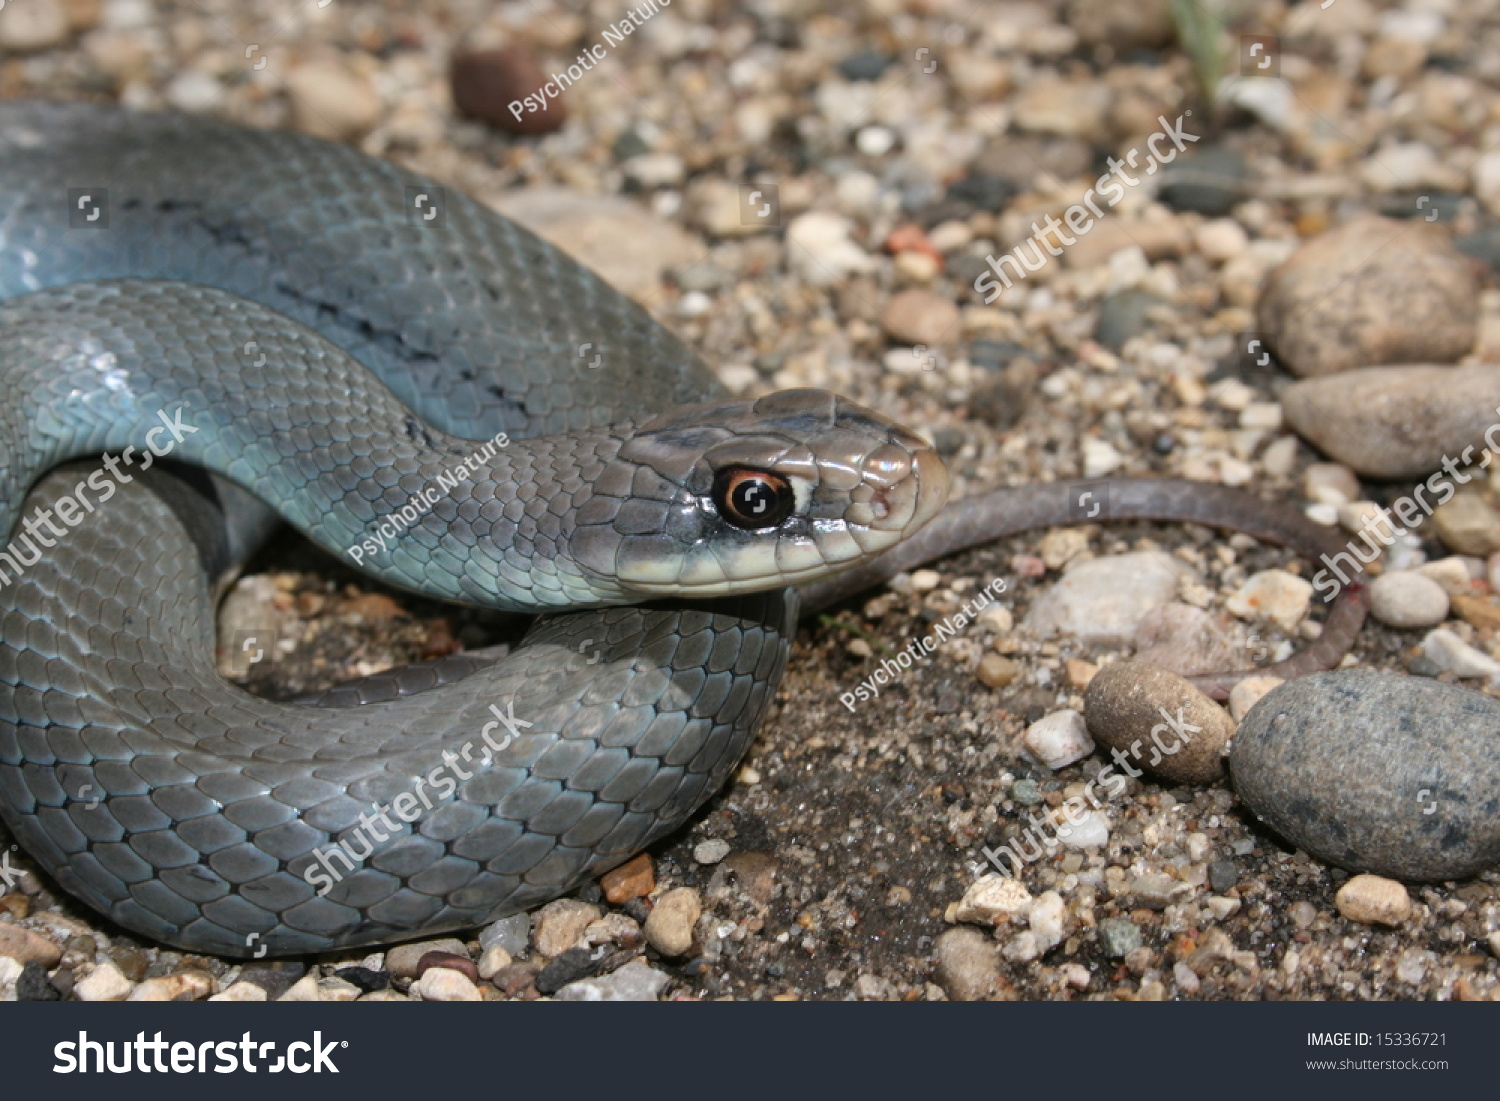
(862, 484)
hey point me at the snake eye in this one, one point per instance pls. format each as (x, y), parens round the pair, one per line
(753, 499)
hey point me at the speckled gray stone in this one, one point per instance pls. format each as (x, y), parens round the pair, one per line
(1374, 772)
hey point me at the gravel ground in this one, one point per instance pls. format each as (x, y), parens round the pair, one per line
(896, 145)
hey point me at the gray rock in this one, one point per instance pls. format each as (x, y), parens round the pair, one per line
(1102, 600)
(1026, 792)
(1118, 937)
(1378, 773)
(1222, 875)
(1395, 422)
(637, 981)
(1208, 181)
(1124, 315)
(1328, 308)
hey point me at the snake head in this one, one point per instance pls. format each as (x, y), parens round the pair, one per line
(742, 495)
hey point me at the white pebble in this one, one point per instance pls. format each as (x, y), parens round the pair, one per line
(1059, 739)
(1275, 595)
(1453, 573)
(1248, 693)
(875, 141)
(105, 983)
(1452, 654)
(711, 851)
(992, 897)
(1089, 830)
(1100, 458)
(443, 984)
(1407, 599)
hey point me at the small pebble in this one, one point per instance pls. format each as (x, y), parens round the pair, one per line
(921, 317)
(1276, 595)
(1450, 654)
(669, 929)
(494, 958)
(1468, 525)
(188, 986)
(443, 984)
(514, 933)
(968, 965)
(560, 924)
(25, 946)
(403, 960)
(711, 851)
(1118, 937)
(1330, 483)
(1249, 692)
(1406, 599)
(105, 983)
(331, 101)
(637, 981)
(993, 898)
(996, 670)
(1373, 900)
(1059, 739)
(485, 84)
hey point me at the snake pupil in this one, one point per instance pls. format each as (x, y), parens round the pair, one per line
(752, 499)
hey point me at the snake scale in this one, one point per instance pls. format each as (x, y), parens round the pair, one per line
(324, 349)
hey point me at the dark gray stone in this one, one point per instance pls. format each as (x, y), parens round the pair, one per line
(1124, 315)
(865, 65)
(1208, 181)
(1373, 772)
(1222, 875)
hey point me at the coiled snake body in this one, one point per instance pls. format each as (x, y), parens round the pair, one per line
(160, 270)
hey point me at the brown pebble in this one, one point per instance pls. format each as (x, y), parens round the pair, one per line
(16, 905)
(447, 959)
(1080, 672)
(132, 962)
(1476, 610)
(25, 946)
(374, 606)
(633, 879)
(996, 671)
(1129, 700)
(486, 82)
(517, 980)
